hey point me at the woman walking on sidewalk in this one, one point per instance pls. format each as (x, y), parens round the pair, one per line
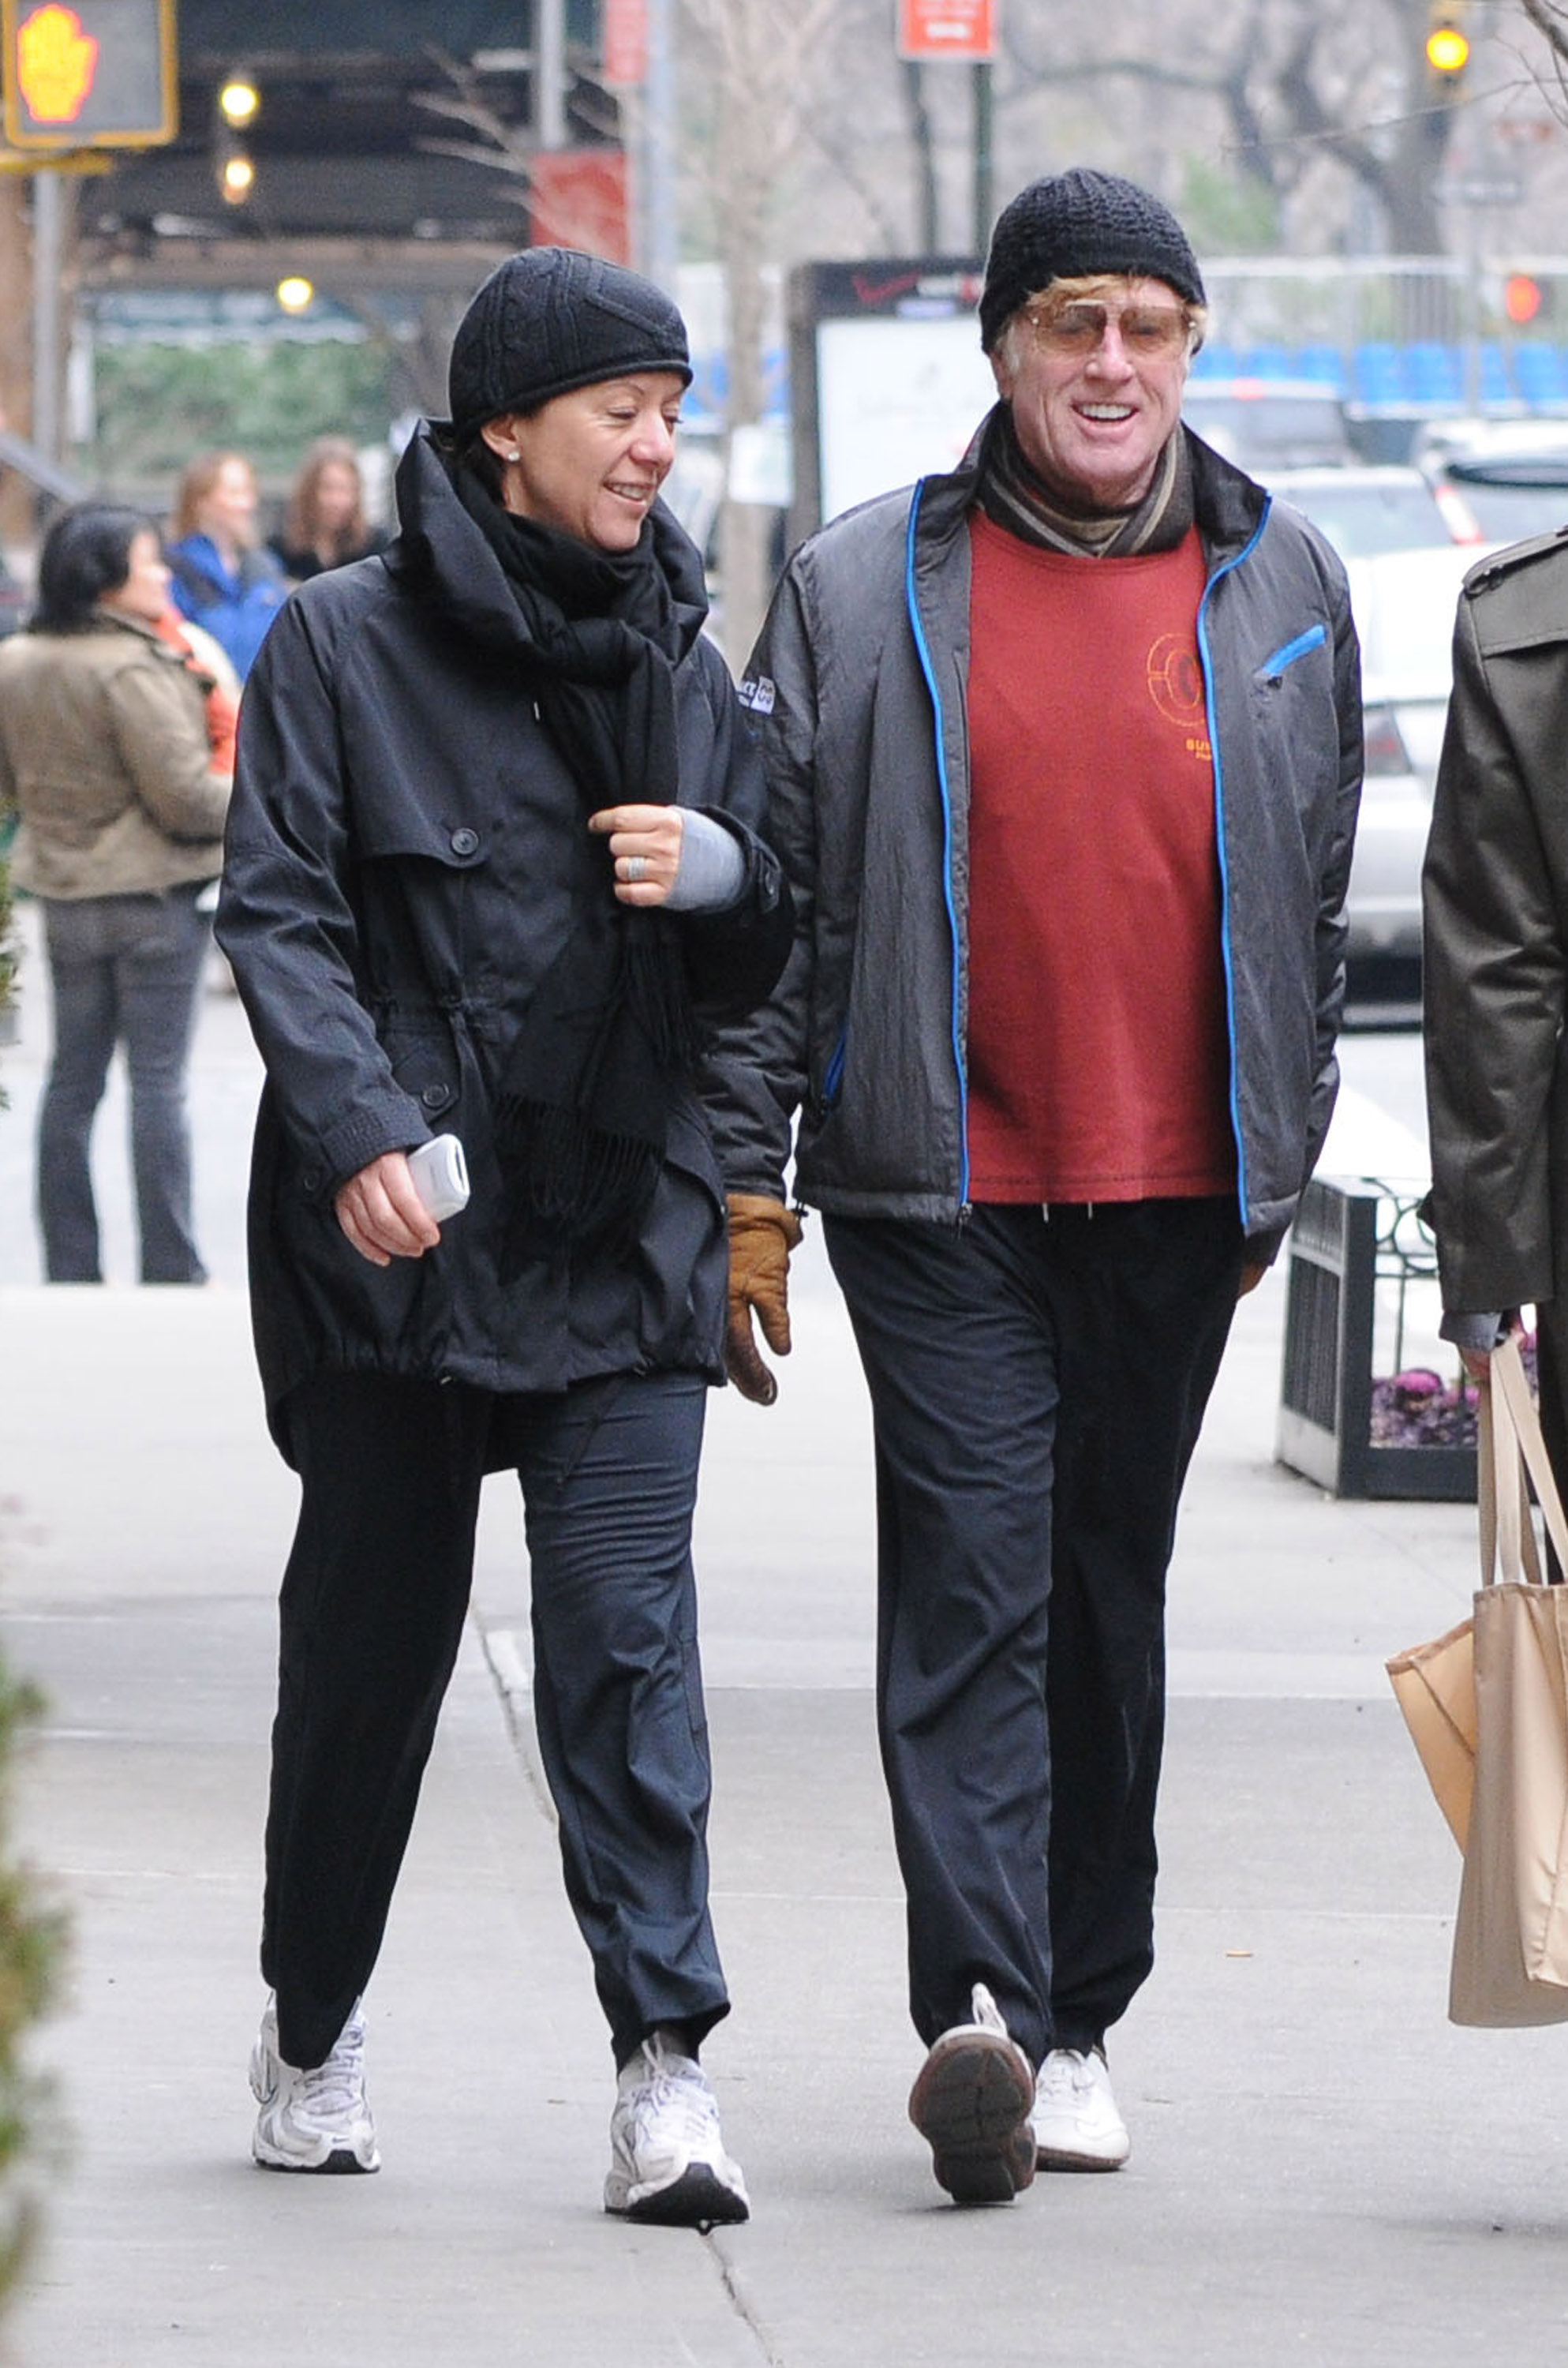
(493, 869)
(105, 748)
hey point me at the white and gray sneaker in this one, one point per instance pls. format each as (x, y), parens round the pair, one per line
(1076, 2125)
(971, 2103)
(667, 2158)
(317, 2119)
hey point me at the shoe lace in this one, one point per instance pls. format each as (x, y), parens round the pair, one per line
(985, 2010)
(1068, 2072)
(337, 2087)
(677, 2091)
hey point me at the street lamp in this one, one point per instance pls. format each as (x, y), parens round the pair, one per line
(239, 101)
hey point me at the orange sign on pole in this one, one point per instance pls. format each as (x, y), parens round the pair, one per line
(946, 29)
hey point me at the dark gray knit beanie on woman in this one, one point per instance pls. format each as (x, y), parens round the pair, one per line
(550, 320)
(1072, 225)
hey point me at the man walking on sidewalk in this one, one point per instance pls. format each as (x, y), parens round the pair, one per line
(1065, 751)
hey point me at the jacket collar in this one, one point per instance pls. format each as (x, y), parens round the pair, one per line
(1228, 503)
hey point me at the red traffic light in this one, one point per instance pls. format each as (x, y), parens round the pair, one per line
(1521, 298)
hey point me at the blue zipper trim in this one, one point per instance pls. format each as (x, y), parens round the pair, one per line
(922, 650)
(1226, 949)
(1272, 669)
(834, 1072)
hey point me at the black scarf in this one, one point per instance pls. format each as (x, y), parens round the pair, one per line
(586, 1089)
(1015, 495)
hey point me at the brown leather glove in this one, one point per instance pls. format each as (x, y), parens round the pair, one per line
(763, 1232)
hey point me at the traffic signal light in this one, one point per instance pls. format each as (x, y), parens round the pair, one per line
(89, 74)
(1447, 45)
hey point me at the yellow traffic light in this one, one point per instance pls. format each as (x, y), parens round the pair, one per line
(1447, 44)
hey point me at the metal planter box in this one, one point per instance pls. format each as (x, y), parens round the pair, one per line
(1325, 1392)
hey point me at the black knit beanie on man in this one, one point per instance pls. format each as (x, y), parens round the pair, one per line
(1073, 224)
(550, 320)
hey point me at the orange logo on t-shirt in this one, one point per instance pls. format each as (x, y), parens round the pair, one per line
(1176, 685)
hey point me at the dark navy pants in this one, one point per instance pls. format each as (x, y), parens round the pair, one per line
(1037, 1385)
(371, 1616)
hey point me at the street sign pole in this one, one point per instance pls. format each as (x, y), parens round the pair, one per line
(984, 117)
(48, 252)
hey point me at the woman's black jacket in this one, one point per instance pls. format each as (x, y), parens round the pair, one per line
(406, 855)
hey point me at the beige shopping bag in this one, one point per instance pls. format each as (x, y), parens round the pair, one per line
(1435, 1686)
(1510, 1956)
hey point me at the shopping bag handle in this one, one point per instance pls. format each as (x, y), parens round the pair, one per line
(1513, 1409)
(1508, 1550)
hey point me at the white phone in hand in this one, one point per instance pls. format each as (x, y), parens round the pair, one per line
(441, 1176)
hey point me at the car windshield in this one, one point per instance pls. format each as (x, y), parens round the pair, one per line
(1267, 428)
(1361, 518)
(1512, 512)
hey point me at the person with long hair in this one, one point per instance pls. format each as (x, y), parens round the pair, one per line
(494, 875)
(324, 524)
(224, 580)
(106, 751)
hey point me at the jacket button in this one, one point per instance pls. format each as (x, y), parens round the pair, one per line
(436, 1096)
(465, 842)
(310, 1180)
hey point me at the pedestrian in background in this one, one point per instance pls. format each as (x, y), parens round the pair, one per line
(223, 581)
(105, 748)
(324, 524)
(1495, 971)
(1065, 751)
(493, 868)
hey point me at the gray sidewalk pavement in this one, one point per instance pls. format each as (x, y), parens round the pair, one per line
(1324, 2169)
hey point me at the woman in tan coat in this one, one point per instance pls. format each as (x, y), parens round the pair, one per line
(105, 750)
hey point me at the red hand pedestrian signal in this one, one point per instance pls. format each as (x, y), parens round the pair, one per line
(89, 74)
(55, 64)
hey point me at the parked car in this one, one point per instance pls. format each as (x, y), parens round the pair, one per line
(1405, 603)
(1267, 424)
(1511, 473)
(1366, 510)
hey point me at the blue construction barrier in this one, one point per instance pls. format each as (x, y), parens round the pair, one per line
(1427, 375)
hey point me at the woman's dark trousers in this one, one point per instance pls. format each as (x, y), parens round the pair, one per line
(1036, 1386)
(372, 1610)
(125, 970)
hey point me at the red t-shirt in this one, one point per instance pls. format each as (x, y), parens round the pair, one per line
(1099, 1053)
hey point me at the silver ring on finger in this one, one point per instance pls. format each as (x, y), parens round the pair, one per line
(636, 868)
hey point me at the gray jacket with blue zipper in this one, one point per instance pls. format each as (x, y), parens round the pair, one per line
(859, 688)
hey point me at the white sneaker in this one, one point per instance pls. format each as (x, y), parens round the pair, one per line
(318, 2119)
(1076, 2125)
(667, 2159)
(971, 2103)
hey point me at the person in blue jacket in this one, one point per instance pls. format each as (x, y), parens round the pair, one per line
(223, 580)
